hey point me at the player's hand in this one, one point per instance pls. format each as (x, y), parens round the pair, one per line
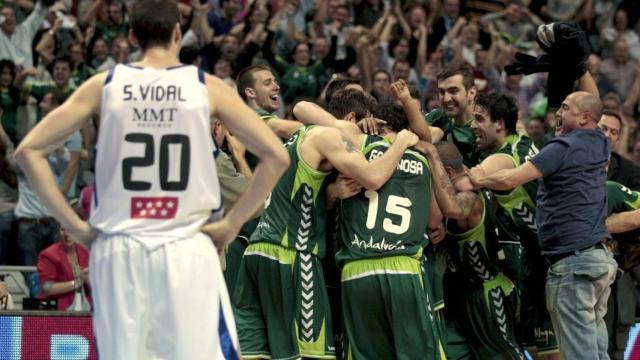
(475, 175)
(236, 148)
(371, 125)
(407, 138)
(82, 233)
(84, 276)
(424, 147)
(437, 234)
(400, 91)
(345, 187)
(221, 233)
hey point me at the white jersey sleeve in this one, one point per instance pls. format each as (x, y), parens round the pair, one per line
(156, 177)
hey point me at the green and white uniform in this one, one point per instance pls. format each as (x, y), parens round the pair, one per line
(253, 160)
(234, 251)
(462, 136)
(281, 305)
(486, 309)
(621, 306)
(386, 310)
(524, 262)
(620, 199)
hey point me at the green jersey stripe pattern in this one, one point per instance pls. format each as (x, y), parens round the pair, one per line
(295, 213)
(519, 203)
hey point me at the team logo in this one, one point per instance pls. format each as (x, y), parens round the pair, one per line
(154, 207)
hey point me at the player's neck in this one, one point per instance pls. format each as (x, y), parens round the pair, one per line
(464, 117)
(501, 139)
(159, 58)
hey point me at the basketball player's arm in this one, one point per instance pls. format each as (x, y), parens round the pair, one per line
(400, 92)
(49, 134)
(310, 113)
(453, 204)
(340, 152)
(284, 128)
(247, 127)
(490, 165)
(624, 221)
(507, 179)
(411, 107)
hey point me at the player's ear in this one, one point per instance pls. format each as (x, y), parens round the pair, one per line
(249, 92)
(351, 117)
(472, 94)
(177, 34)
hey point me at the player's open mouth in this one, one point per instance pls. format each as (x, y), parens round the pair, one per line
(274, 97)
(558, 123)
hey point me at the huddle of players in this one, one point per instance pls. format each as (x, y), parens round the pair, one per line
(410, 288)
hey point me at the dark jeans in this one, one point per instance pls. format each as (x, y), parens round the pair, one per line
(7, 223)
(33, 237)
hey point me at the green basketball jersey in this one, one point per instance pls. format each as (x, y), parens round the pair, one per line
(461, 135)
(295, 213)
(253, 160)
(620, 198)
(519, 203)
(477, 248)
(626, 245)
(393, 219)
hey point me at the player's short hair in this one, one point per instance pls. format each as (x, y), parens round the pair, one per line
(336, 86)
(450, 155)
(613, 114)
(393, 114)
(458, 68)
(153, 21)
(500, 107)
(351, 101)
(245, 79)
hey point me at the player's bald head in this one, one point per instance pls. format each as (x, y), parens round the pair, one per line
(450, 155)
(589, 103)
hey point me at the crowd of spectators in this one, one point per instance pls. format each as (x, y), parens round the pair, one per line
(48, 52)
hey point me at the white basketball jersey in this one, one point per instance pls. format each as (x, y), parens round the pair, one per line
(156, 177)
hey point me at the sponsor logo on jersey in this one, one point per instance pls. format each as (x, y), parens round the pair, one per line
(380, 245)
(154, 207)
(405, 165)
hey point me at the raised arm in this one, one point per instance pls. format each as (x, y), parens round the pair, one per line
(400, 92)
(341, 153)
(35, 19)
(49, 134)
(46, 45)
(586, 83)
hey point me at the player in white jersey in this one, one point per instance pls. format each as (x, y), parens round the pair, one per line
(158, 288)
